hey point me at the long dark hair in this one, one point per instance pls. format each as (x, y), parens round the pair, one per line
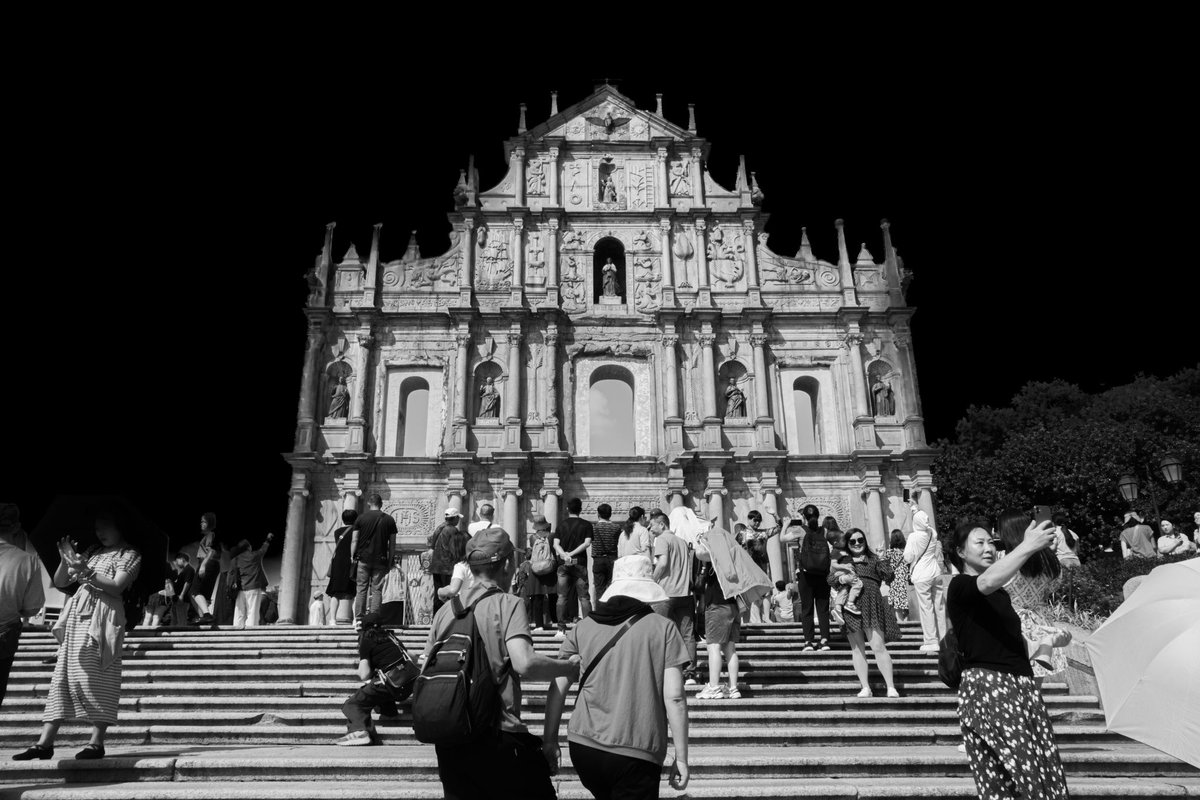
(1061, 520)
(457, 548)
(958, 540)
(1012, 528)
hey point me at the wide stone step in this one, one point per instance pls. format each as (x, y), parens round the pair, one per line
(418, 763)
(1081, 788)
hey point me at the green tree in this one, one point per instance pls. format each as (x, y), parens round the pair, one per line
(1060, 446)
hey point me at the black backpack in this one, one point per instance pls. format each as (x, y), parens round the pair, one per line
(455, 698)
(814, 552)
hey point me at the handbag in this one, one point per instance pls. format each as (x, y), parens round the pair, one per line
(398, 678)
(950, 658)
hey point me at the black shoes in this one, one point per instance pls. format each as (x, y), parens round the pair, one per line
(38, 752)
(91, 751)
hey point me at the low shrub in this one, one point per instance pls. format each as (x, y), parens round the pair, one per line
(1096, 588)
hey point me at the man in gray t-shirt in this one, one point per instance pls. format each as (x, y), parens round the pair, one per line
(673, 572)
(1137, 539)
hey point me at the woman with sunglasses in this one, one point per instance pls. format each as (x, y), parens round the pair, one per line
(876, 625)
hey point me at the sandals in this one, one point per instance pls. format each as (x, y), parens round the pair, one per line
(39, 752)
(91, 751)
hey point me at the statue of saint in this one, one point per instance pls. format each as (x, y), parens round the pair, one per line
(608, 190)
(608, 279)
(884, 399)
(489, 400)
(339, 400)
(735, 401)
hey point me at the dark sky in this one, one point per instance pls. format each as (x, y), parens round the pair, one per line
(153, 301)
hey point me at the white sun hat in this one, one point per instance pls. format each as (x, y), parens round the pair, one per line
(632, 578)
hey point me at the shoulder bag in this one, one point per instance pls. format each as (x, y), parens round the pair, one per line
(611, 643)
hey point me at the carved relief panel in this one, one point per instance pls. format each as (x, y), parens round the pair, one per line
(495, 266)
(414, 520)
(726, 257)
(576, 184)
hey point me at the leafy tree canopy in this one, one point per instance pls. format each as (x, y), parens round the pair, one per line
(1060, 446)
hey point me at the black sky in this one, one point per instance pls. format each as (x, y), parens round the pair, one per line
(153, 302)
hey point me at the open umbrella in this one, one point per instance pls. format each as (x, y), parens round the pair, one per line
(1147, 662)
(74, 516)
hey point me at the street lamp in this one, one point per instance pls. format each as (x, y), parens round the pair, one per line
(1128, 486)
(1172, 468)
(1172, 471)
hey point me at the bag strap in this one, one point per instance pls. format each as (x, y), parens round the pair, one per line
(611, 643)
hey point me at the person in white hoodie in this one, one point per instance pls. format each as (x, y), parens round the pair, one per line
(923, 552)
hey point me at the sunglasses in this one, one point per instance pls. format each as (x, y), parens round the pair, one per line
(858, 541)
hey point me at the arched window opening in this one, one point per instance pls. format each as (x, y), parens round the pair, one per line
(414, 417)
(608, 251)
(610, 408)
(804, 394)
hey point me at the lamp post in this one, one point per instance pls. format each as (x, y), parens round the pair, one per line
(1172, 471)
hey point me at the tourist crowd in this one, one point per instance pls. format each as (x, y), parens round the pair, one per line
(663, 585)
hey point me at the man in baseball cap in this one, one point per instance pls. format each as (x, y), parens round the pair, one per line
(509, 764)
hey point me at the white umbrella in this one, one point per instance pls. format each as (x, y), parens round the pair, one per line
(1147, 662)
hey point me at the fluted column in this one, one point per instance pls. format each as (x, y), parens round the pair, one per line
(751, 254)
(671, 375)
(761, 397)
(697, 178)
(362, 362)
(551, 363)
(517, 158)
(708, 390)
(853, 343)
(702, 253)
(462, 376)
(553, 168)
(513, 396)
(668, 267)
(552, 252)
(294, 536)
(518, 254)
(771, 492)
(306, 415)
(660, 190)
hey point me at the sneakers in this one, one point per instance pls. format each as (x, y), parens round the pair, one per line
(929, 648)
(836, 615)
(562, 633)
(824, 644)
(893, 693)
(808, 646)
(866, 692)
(851, 608)
(355, 739)
(732, 693)
(712, 691)
(689, 678)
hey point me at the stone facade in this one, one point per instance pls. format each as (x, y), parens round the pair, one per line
(466, 377)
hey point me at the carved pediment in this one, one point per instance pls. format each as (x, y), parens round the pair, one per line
(607, 115)
(414, 274)
(783, 272)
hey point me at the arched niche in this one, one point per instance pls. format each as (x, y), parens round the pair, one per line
(608, 248)
(806, 434)
(736, 371)
(414, 417)
(611, 412)
(339, 380)
(882, 384)
(484, 408)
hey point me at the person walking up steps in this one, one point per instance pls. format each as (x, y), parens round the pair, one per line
(673, 572)
(923, 553)
(571, 539)
(605, 533)
(372, 544)
(812, 575)
(21, 592)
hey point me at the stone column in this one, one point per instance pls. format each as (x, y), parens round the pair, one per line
(853, 343)
(551, 363)
(716, 503)
(294, 536)
(702, 254)
(550, 494)
(762, 398)
(671, 374)
(925, 503)
(697, 178)
(462, 376)
(513, 396)
(676, 498)
(877, 532)
(660, 194)
(362, 362)
(468, 276)
(306, 416)
(512, 510)
(751, 255)
(517, 158)
(708, 390)
(668, 267)
(552, 253)
(518, 255)
(771, 492)
(454, 496)
(553, 169)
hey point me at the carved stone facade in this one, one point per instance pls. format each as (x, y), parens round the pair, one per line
(513, 320)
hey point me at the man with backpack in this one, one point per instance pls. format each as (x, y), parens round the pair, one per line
(441, 565)
(467, 699)
(812, 574)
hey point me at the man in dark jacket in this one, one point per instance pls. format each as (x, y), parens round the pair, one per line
(441, 565)
(372, 544)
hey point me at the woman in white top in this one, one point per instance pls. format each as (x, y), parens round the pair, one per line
(1066, 543)
(635, 539)
(923, 552)
(1173, 542)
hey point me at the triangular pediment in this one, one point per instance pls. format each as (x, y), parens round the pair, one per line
(607, 115)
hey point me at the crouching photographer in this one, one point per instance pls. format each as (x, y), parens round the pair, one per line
(389, 674)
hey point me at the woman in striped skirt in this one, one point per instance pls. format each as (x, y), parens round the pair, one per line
(91, 631)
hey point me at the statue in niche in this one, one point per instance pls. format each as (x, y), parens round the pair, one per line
(883, 398)
(735, 400)
(339, 400)
(608, 279)
(608, 190)
(489, 400)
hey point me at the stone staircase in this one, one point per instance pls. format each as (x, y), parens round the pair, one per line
(253, 714)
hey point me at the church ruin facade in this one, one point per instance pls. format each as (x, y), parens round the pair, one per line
(609, 323)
